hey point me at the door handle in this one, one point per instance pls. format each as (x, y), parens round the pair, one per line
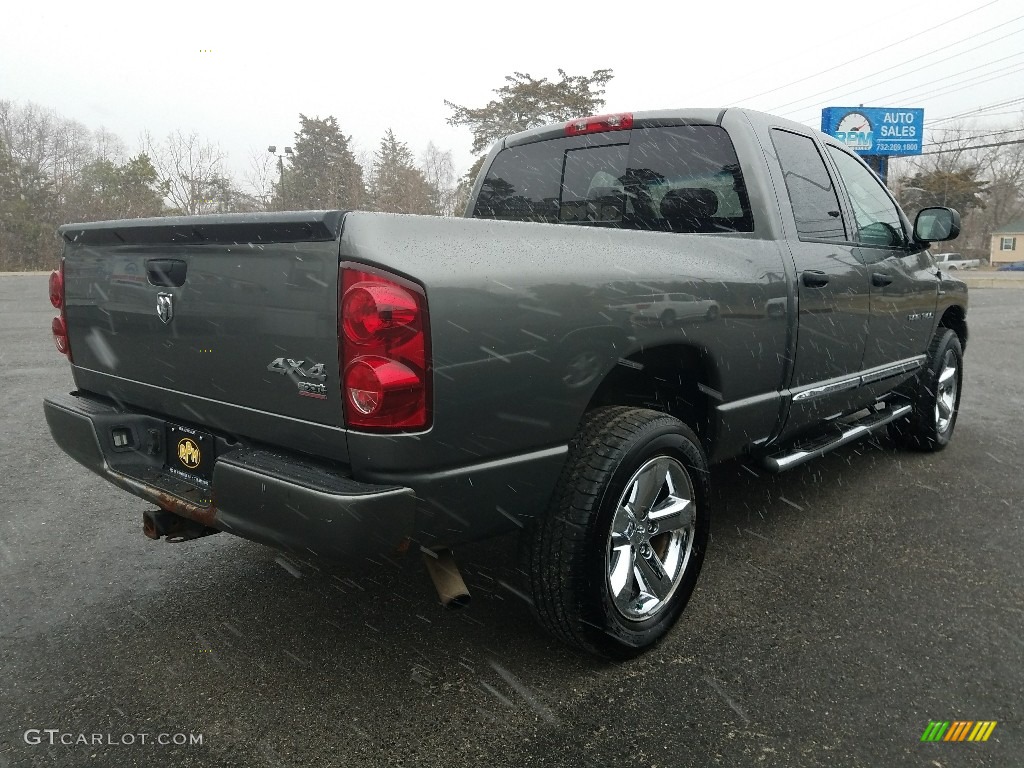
(814, 278)
(166, 272)
(880, 279)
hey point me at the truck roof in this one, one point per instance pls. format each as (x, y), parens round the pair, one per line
(661, 117)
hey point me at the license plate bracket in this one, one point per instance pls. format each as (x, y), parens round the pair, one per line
(190, 454)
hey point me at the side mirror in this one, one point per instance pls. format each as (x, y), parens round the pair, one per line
(936, 224)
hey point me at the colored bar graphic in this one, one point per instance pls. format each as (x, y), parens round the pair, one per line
(958, 730)
(982, 730)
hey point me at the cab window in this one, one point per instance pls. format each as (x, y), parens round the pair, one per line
(670, 179)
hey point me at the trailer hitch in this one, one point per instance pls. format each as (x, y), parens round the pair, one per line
(175, 528)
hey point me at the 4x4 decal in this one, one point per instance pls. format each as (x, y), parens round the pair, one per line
(287, 366)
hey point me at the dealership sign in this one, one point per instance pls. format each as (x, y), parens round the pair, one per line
(876, 130)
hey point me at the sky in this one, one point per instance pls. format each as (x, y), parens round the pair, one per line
(240, 76)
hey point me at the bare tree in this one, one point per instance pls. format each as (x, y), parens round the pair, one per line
(108, 146)
(260, 179)
(439, 170)
(192, 170)
(46, 146)
(978, 170)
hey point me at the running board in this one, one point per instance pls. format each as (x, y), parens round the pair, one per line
(812, 449)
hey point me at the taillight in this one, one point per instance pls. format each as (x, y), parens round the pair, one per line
(599, 124)
(385, 366)
(59, 326)
(60, 334)
(57, 289)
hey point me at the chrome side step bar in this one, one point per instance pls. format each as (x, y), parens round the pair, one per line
(847, 433)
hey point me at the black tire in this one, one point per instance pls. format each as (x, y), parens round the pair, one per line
(712, 313)
(667, 319)
(928, 427)
(567, 553)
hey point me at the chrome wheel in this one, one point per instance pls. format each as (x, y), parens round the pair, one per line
(651, 538)
(945, 397)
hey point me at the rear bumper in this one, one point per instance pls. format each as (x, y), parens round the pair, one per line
(267, 496)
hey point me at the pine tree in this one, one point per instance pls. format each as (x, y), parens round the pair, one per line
(396, 184)
(106, 190)
(323, 172)
(525, 102)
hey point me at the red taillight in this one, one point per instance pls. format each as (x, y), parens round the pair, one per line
(382, 328)
(60, 334)
(370, 308)
(59, 326)
(599, 124)
(57, 289)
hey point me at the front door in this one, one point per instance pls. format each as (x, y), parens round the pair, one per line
(904, 281)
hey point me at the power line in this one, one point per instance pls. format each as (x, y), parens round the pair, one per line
(979, 110)
(993, 114)
(960, 85)
(939, 142)
(967, 131)
(888, 70)
(976, 146)
(872, 53)
(909, 93)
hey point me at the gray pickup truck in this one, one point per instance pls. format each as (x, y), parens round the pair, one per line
(346, 383)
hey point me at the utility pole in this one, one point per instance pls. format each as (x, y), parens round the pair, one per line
(272, 149)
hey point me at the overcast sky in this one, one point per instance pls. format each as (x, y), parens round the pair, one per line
(134, 66)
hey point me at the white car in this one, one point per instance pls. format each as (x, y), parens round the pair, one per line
(954, 261)
(668, 309)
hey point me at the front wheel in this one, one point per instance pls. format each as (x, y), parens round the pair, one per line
(936, 399)
(614, 559)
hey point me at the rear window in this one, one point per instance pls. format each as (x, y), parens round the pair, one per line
(675, 179)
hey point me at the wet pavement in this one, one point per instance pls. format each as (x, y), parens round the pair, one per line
(842, 607)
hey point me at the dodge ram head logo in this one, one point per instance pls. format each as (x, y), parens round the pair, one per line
(302, 376)
(165, 307)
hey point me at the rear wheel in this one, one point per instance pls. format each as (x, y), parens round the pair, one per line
(615, 558)
(936, 398)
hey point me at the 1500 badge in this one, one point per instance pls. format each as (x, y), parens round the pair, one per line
(309, 380)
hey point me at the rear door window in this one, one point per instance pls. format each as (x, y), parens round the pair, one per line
(674, 179)
(811, 192)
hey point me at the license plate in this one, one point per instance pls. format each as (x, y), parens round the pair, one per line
(190, 454)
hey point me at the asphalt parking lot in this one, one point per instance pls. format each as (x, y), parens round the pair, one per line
(842, 607)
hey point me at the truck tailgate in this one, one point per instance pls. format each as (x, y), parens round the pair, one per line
(228, 322)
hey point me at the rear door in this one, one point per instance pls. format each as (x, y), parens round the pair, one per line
(832, 286)
(904, 283)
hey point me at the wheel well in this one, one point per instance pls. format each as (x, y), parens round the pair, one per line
(955, 319)
(674, 378)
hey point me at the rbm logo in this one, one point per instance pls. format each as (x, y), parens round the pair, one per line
(188, 453)
(958, 730)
